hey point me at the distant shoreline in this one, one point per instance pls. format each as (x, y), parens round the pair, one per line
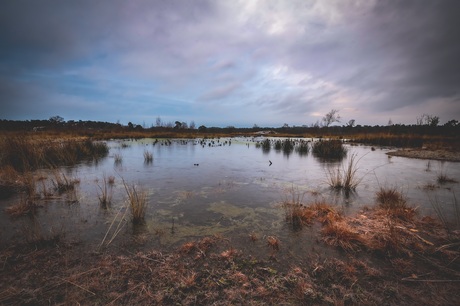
(442, 155)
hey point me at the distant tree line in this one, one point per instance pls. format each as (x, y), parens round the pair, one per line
(425, 125)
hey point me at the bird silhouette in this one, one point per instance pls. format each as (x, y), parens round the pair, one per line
(270, 162)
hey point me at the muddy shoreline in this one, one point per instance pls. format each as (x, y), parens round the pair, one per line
(413, 261)
(442, 155)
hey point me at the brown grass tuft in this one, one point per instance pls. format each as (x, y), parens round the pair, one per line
(342, 234)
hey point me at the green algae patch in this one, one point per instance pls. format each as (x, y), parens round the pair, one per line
(230, 211)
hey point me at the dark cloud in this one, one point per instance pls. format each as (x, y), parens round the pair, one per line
(375, 56)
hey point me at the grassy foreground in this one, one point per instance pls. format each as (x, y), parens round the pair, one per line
(386, 257)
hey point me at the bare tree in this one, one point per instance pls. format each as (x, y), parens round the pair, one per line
(421, 119)
(433, 120)
(426, 119)
(351, 123)
(192, 125)
(331, 117)
(158, 122)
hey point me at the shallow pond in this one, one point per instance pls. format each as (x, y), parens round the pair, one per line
(225, 186)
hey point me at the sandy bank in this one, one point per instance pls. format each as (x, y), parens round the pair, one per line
(428, 154)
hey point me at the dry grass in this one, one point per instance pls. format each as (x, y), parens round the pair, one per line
(209, 271)
(137, 201)
(395, 203)
(343, 235)
(390, 198)
(345, 179)
(27, 153)
(62, 183)
(106, 191)
(298, 214)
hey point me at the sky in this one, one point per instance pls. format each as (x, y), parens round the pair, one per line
(230, 62)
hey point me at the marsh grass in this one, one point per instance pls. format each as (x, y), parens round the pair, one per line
(343, 235)
(62, 183)
(390, 198)
(278, 145)
(294, 209)
(266, 145)
(345, 178)
(303, 148)
(27, 153)
(298, 214)
(288, 146)
(118, 159)
(329, 149)
(106, 192)
(394, 203)
(444, 179)
(137, 201)
(148, 157)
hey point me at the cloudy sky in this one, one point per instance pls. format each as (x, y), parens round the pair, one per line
(230, 62)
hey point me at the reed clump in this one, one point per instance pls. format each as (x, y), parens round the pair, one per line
(118, 159)
(137, 201)
(266, 145)
(390, 198)
(329, 149)
(343, 235)
(288, 146)
(148, 157)
(106, 191)
(345, 178)
(394, 203)
(62, 183)
(444, 179)
(303, 148)
(298, 214)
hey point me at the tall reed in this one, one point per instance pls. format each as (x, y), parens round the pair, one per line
(105, 195)
(62, 183)
(345, 178)
(137, 200)
(26, 154)
(148, 157)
